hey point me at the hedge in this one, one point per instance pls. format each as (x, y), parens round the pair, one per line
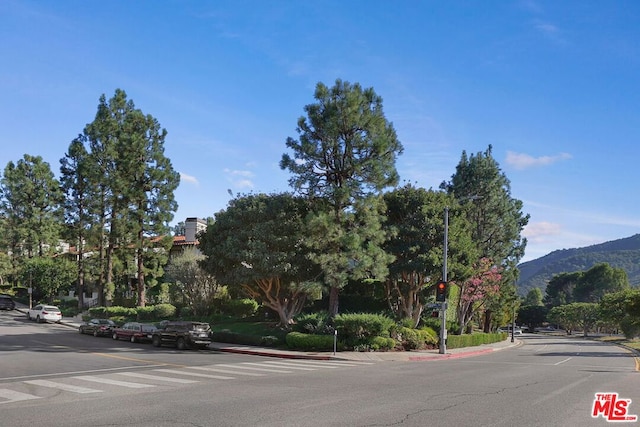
(470, 340)
(309, 342)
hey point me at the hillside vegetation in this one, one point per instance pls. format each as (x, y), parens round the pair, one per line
(621, 253)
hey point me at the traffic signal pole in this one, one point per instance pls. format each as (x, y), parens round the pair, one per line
(443, 304)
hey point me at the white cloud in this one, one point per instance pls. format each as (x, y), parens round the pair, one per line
(524, 161)
(538, 231)
(236, 172)
(550, 31)
(188, 178)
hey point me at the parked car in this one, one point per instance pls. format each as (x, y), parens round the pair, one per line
(45, 313)
(97, 327)
(134, 332)
(516, 331)
(182, 334)
(6, 303)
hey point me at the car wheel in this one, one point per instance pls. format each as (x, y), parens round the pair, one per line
(181, 344)
(37, 319)
(114, 336)
(80, 330)
(156, 341)
(133, 338)
(28, 316)
(95, 332)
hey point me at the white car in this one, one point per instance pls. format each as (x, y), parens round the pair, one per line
(45, 313)
(507, 329)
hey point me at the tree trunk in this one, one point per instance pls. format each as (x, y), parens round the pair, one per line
(333, 301)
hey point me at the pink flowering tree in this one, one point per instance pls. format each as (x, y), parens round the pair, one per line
(474, 292)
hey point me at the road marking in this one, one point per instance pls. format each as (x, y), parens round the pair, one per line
(61, 386)
(337, 363)
(155, 377)
(226, 371)
(114, 356)
(102, 380)
(91, 371)
(562, 361)
(305, 364)
(284, 365)
(15, 396)
(194, 374)
(277, 371)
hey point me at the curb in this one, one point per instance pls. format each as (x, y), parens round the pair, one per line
(271, 354)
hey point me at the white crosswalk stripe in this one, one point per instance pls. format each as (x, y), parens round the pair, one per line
(156, 377)
(104, 380)
(149, 378)
(285, 365)
(193, 374)
(277, 371)
(15, 396)
(226, 371)
(62, 386)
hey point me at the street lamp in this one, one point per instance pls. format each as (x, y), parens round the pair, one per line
(443, 305)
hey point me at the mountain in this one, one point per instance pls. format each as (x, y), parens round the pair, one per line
(621, 253)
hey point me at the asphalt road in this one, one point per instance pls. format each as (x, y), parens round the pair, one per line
(52, 376)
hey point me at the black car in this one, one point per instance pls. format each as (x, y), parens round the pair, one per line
(97, 327)
(6, 303)
(182, 334)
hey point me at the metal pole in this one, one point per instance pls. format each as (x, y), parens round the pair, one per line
(443, 306)
(513, 323)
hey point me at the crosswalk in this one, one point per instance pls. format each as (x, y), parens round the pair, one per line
(102, 382)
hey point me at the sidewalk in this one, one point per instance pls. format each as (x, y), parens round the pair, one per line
(398, 356)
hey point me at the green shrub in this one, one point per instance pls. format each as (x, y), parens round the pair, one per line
(470, 340)
(309, 342)
(164, 311)
(362, 325)
(382, 343)
(245, 307)
(313, 323)
(145, 313)
(428, 336)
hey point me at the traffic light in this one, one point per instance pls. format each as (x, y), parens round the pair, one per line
(441, 291)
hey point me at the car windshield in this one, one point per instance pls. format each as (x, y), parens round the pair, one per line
(201, 327)
(50, 308)
(105, 322)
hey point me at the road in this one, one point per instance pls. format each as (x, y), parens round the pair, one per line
(51, 375)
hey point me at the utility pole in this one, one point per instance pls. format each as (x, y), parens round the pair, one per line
(443, 304)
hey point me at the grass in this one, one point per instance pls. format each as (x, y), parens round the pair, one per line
(634, 343)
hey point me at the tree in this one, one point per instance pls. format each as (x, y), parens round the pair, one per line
(151, 197)
(533, 298)
(134, 186)
(623, 309)
(598, 281)
(414, 220)
(48, 276)
(257, 244)
(30, 203)
(78, 188)
(532, 315)
(497, 216)
(196, 286)
(475, 291)
(559, 291)
(346, 151)
(577, 315)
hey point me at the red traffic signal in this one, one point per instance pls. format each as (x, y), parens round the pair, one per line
(441, 291)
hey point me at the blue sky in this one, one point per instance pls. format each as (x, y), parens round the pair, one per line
(553, 86)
